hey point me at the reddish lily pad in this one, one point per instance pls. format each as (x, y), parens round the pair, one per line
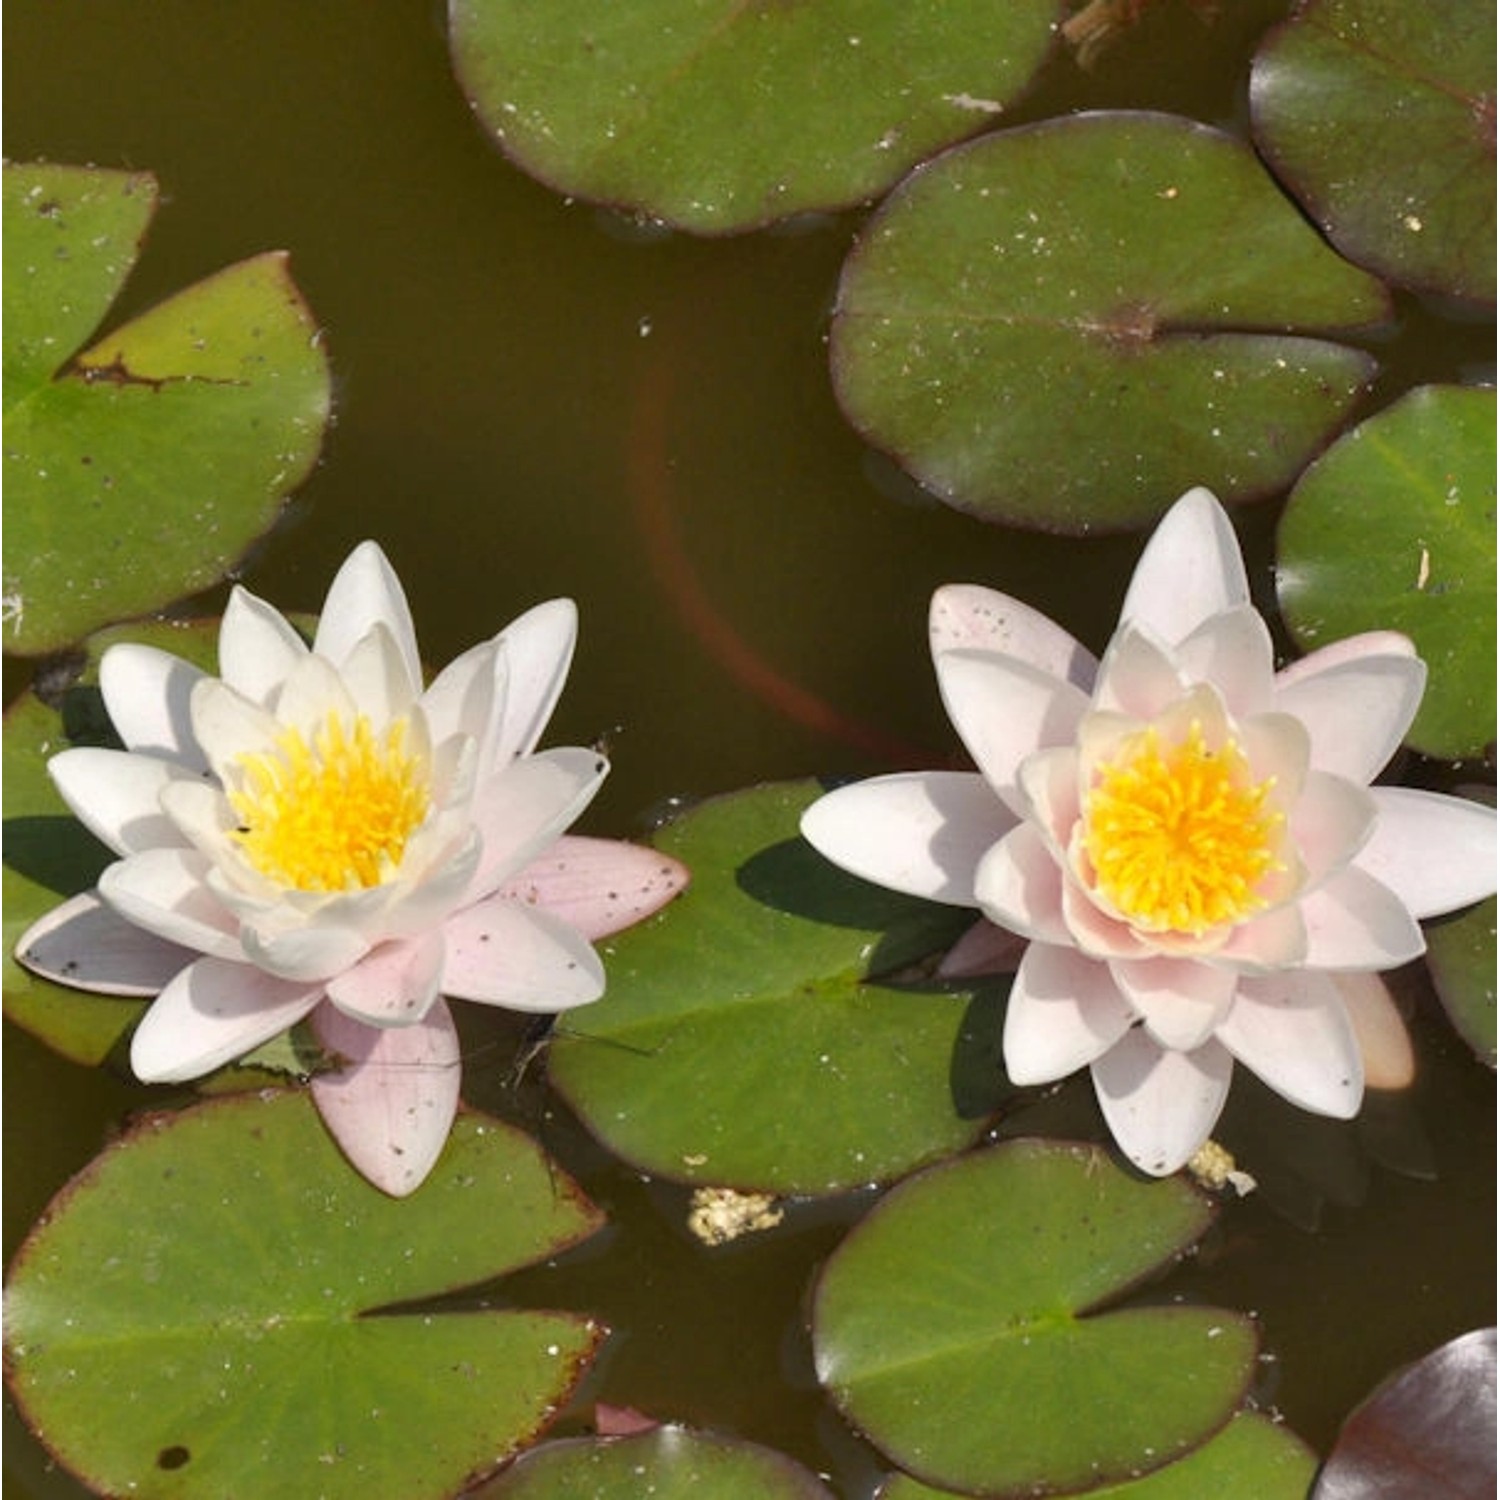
(720, 117)
(960, 1325)
(1379, 115)
(139, 469)
(1066, 325)
(193, 1315)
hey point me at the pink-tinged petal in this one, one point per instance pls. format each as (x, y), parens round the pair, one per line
(1096, 931)
(1005, 709)
(258, 648)
(390, 1102)
(116, 795)
(1190, 569)
(983, 949)
(1136, 678)
(375, 676)
(148, 694)
(166, 892)
(466, 698)
(967, 616)
(1278, 750)
(598, 886)
(1161, 1105)
(394, 985)
(1180, 999)
(1436, 853)
(1020, 886)
(313, 692)
(1293, 1032)
(1357, 698)
(366, 592)
(538, 650)
(921, 832)
(1064, 1011)
(85, 944)
(1355, 922)
(1332, 821)
(212, 1012)
(1384, 1042)
(1050, 782)
(228, 725)
(503, 953)
(304, 954)
(525, 806)
(1233, 651)
(1275, 939)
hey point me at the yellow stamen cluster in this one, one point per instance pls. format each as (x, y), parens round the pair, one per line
(1179, 837)
(333, 814)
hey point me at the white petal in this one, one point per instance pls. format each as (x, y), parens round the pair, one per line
(921, 832)
(391, 1102)
(598, 886)
(1356, 922)
(1332, 821)
(416, 905)
(165, 891)
(366, 592)
(1064, 1011)
(1191, 569)
(1437, 853)
(85, 944)
(466, 698)
(1020, 886)
(501, 953)
(538, 650)
(1004, 710)
(1181, 1000)
(1136, 678)
(116, 795)
(375, 676)
(228, 725)
(1161, 1105)
(1275, 939)
(313, 692)
(970, 616)
(394, 985)
(1357, 698)
(258, 648)
(304, 954)
(148, 694)
(1384, 1042)
(1233, 651)
(1293, 1032)
(212, 1012)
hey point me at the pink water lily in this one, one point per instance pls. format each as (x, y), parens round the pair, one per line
(315, 834)
(1185, 838)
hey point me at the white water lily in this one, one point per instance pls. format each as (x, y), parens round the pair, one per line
(1185, 838)
(313, 833)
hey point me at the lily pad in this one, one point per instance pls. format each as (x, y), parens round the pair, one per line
(140, 469)
(741, 1043)
(720, 117)
(959, 1326)
(1067, 325)
(1379, 115)
(1253, 1458)
(1394, 529)
(1429, 1430)
(1461, 958)
(192, 1315)
(668, 1463)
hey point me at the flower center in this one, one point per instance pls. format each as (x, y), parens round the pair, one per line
(333, 813)
(1180, 838)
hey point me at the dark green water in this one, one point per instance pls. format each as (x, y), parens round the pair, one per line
(534, 398)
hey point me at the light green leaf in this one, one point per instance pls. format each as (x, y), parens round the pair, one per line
(1461, 958)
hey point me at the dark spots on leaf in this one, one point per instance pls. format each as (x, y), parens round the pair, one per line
(172, 1458)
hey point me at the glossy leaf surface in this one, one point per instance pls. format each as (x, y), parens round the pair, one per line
(1068, 325)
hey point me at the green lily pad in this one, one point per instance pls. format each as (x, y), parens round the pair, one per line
(739, 1042)
(1379, 115)
(190, 1318)
(1461, 958)
(1394, 529)
(668, 1463)
(959, 1325)
(1068, 325)
(141, 468)
(721, 117)
(1253, 1458)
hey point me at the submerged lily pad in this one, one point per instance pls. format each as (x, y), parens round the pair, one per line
(1379, 115)
(1066, 325)
(719, 117)
(959, 1325)
(139, 469)
(191, 1317)
(668, 1463)
(1394, 529)
(1461, 958)
(740, 1042)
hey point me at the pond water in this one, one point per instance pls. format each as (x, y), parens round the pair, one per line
(536, 398)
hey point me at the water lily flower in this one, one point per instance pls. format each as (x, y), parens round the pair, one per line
(1185, 838)
(315, 834)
